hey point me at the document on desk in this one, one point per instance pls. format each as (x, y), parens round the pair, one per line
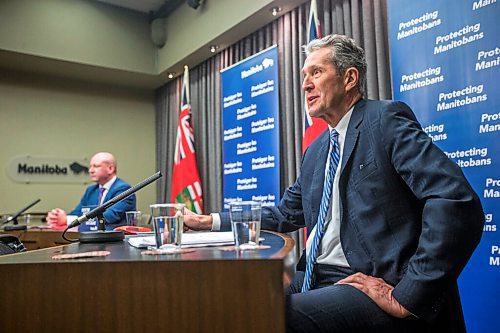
(190, 239)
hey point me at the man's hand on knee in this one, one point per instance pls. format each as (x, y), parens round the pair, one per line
(379, 291)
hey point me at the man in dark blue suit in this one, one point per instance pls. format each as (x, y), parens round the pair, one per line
(102, 171)
(398, 222)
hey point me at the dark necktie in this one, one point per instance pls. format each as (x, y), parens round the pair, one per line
(323, 209)
(99, 197)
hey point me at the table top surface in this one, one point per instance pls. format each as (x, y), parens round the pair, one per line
(280, 246)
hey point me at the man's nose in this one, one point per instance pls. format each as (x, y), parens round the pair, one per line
(307, 84)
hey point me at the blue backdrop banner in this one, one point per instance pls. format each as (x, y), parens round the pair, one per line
(250, 124)
(445, 60)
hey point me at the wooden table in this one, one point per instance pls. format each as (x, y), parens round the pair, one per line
(208, 290)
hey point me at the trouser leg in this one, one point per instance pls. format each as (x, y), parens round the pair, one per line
(339, 308)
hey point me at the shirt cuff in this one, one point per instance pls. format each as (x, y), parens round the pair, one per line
(215, 221)
(70, 218)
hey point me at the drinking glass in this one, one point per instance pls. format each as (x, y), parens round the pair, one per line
(168, 224)
(133, 218)
(245, 222)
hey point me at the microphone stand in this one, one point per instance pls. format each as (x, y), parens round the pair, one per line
(102, 235)
(13, 217)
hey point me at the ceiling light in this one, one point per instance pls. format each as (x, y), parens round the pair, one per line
(214, 48)
(275, 10)
(171, 75)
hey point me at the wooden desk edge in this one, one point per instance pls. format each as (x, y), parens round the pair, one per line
(287, 247)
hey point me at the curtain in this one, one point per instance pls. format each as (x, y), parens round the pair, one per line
(363, 20)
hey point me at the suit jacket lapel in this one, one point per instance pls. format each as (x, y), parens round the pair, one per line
(110, 192)
(319, 176)
(318, 179)
(352, 132)
(93, 195)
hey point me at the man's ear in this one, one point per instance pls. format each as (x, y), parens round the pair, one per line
(111, 168)
(351, 78)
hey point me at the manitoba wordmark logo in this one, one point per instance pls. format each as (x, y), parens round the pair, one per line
(35, 169)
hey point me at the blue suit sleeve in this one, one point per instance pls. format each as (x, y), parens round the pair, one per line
(452, 216)
(286, 217)
(86, 200)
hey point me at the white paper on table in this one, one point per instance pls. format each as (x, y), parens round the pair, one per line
(190, 239)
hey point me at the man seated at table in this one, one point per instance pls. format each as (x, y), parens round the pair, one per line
(102, 171)
(391, 220)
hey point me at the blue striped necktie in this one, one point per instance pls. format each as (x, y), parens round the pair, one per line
(323, 209)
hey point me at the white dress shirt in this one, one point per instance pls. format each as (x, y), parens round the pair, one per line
(106, 186)
(330, 251)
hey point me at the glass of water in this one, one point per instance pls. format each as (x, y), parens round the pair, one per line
(168, 224)
(245, 222)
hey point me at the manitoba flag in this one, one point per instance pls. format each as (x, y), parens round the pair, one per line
(312, 126)
(186, 184)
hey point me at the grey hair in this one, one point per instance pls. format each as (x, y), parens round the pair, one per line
(345, 54)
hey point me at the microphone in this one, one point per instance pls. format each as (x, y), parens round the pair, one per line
(14, 216)
(96, 212)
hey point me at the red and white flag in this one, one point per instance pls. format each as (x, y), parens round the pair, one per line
(186, 184)
(312, 126)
